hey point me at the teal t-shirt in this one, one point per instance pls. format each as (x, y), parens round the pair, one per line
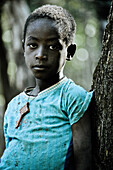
(44, 138)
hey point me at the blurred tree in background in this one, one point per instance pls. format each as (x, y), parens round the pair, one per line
(13, 72)
(90, 17)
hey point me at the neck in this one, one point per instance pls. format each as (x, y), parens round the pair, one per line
(44, 84)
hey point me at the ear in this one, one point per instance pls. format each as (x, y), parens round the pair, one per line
(71, 51)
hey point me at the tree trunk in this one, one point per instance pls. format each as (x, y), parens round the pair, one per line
(102, 119)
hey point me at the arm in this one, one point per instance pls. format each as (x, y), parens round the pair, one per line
(81, 132)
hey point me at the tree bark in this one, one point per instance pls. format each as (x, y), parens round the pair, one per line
(102, 118)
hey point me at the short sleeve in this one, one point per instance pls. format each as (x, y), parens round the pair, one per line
(78, 100)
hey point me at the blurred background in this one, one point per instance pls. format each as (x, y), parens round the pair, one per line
(91, 19)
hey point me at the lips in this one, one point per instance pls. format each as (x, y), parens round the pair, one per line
(39, 67)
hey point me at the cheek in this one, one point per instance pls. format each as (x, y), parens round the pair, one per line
(27, 62)
(27, 58)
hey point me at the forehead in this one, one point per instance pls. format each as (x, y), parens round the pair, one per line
(43, 28)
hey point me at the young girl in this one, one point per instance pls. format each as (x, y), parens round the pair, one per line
(44, 126)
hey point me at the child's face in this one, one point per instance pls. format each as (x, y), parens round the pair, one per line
(45, 52)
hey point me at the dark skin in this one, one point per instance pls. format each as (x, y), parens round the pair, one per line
(45, 55)
(42, 54)
(82, 143)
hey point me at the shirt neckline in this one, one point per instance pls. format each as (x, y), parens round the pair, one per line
(44, 91)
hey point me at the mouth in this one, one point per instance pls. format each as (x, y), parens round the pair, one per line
(39, 67)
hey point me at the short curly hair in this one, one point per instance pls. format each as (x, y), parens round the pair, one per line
(65, 23)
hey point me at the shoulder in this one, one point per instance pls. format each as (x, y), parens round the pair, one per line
(75, 90)
(76, 101)
(15, 99)
(78, 93)
(13, 103)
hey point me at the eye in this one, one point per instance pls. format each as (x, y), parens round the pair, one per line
(53, 47)
(32, 46)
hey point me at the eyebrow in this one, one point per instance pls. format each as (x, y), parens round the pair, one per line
(31, 38)
(48, 39)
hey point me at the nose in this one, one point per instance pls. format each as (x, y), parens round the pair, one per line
(40, 53)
